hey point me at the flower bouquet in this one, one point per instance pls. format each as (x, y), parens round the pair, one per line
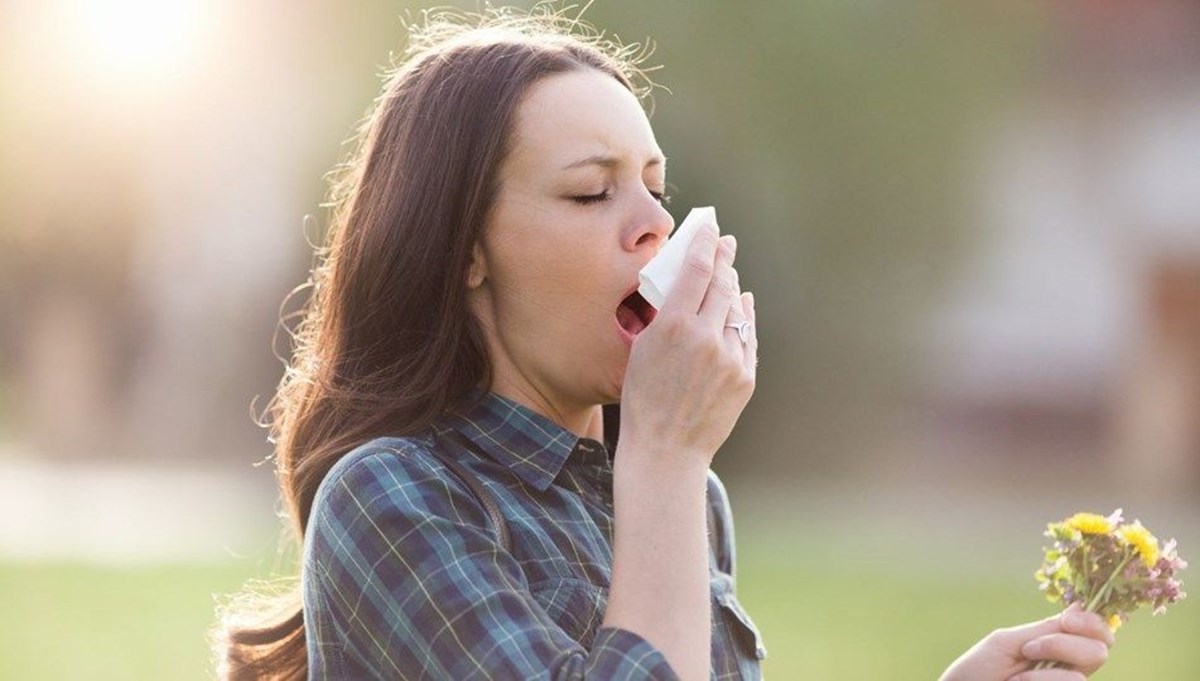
(1110, 567)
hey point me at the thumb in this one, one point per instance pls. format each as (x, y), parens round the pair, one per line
(1015, 637)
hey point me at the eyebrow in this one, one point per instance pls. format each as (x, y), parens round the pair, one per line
(608, 161)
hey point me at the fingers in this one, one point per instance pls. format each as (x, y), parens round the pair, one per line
(1080, 652)
(722, 293)
(1088, 624)
(1073, 620)
(750, 356)
(1014, 637)
(694, 278)
(1076, 638)
(1049, 675)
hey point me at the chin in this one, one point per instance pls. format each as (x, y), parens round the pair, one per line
(612, 363)
(615, 384)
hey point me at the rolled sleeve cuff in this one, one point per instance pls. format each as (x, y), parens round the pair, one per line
(622, 654)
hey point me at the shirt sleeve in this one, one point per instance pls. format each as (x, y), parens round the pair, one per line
(410, 582)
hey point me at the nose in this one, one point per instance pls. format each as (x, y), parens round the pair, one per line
(648, 227)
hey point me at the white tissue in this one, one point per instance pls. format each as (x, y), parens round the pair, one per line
(658, 277)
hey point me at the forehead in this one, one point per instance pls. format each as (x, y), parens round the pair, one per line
(571, 115)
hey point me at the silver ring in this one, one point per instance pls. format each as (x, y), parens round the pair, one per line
(743, 329)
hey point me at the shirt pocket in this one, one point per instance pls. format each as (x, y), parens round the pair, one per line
(575, 605)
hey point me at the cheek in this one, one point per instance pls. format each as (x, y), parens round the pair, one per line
(524, 240)
(542, 271)
(551, 263)
(553, 282)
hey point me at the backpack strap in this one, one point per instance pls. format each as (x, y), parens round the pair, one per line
(482, 495)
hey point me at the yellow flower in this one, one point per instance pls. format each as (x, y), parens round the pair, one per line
(1142, 540)
(1090, 523)
(1114, 622)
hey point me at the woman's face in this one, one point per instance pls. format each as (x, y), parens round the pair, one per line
(579, 212)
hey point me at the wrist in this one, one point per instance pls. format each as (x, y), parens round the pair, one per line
(659, 462)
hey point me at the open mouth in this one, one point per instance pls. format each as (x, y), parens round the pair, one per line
(635, 313)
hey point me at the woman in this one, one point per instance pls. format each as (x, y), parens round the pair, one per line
(443, 444)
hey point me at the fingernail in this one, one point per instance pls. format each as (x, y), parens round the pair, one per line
(1072, 619)
(732, 243)
(751, 295)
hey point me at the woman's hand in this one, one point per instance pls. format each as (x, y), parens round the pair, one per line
(689, 376)
(1075, 638)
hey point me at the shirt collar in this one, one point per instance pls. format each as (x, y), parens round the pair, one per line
(529, 444)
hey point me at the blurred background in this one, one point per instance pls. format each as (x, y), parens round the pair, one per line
(973, 230)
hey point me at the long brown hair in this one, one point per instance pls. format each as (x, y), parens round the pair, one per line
(386, 342)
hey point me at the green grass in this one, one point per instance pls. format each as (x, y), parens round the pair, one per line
(826, 613)
(63, 621)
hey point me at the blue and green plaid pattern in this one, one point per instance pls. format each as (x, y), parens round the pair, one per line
(403, 577)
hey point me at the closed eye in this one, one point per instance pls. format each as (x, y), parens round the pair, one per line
(588, 199)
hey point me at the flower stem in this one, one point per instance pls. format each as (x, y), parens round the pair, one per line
(1103, 592)
(1090, 606)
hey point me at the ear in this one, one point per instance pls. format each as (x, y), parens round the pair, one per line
(477, 270)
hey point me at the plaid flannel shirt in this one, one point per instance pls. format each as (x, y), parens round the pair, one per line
(403, 576)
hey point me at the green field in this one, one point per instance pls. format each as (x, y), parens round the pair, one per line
(826, 613)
